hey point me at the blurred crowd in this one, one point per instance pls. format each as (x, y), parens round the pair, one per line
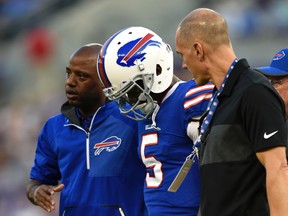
(17, 15)
(256, 18)
(34, 92)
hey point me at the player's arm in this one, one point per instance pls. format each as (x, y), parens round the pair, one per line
(42, 195)
(275, 162)
(192, 129)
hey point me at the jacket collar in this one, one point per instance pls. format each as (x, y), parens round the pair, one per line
(102, 113)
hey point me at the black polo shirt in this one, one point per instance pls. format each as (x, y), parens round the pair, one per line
(250, 118)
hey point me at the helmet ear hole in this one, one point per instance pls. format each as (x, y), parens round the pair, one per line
(158, 70)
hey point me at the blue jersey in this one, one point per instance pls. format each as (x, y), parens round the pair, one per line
(100, 167)
(164, 148)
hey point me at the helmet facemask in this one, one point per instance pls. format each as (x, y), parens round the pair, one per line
(134, 98)
(133, 64)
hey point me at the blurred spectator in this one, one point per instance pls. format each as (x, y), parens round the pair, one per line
(39, 44)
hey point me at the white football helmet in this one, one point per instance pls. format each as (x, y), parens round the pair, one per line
(133, 63)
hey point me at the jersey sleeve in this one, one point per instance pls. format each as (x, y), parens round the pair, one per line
(195, 103)
(45, 167)
(196, 100)
(263, 114)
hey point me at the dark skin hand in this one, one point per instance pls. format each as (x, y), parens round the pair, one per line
(43, 195)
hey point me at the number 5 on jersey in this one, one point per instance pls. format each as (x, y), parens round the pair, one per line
(154, 174)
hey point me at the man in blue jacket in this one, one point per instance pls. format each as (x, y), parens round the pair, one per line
(89, 151)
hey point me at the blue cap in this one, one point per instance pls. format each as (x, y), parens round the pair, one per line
(278, 66)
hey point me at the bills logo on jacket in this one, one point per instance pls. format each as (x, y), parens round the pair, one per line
(134, 50)
(110, 144)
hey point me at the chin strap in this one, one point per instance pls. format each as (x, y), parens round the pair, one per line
(153, 118)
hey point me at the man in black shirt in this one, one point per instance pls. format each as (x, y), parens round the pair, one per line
(243, 137)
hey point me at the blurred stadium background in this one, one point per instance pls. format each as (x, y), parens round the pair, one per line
(37, 38)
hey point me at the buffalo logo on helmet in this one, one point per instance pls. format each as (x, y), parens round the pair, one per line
(110, 144)
(134, 50)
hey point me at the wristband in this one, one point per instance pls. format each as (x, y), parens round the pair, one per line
(34, 194)
(30, 196)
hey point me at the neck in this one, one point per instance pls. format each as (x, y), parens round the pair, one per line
(219, 73)
(219, 66)
(85, 113)
(89, 108)
(88, 111)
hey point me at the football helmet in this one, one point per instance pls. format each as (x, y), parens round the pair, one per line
(133, 63)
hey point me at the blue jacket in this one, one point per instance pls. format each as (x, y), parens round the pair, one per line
(100, 167)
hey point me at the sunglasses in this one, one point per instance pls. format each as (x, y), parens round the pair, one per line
(277, 80)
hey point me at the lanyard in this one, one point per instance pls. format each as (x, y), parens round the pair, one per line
(212, 106)
(190, 159)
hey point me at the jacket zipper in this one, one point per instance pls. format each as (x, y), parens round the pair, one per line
(87, 150)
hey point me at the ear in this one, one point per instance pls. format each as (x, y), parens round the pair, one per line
(199, 51)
